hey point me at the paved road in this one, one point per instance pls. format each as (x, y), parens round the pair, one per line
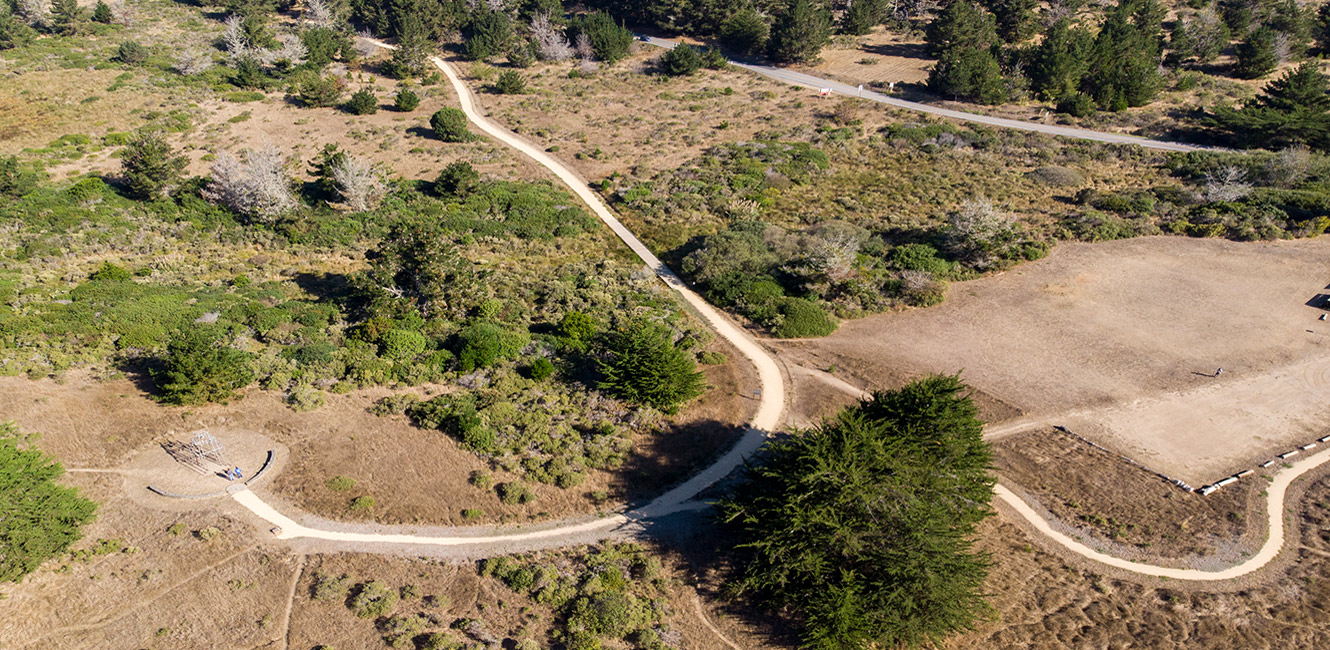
(810, 81)
(497, 540)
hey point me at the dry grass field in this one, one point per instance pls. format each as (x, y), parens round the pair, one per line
(1118, 340)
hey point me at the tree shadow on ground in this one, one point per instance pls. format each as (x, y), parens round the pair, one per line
(899, 50)
(140, 371)
(326, 287)
(671, 457)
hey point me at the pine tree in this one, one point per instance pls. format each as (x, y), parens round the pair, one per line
(1320, 28)
(861, 17)
(1016, 20)
(1059, 62)
(799, 33)
(683, 60)
(363, 102)
(488, 34)
(41, 516)
(201, 367)
(644, 366)
(1294, 109)
(1124, 62)
(745, 32)
(65, 17)
(150, 165)
(964, 40)
(864, 525)
(102, 13)
(1257, 55)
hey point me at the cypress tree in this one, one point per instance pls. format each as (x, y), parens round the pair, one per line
(745, 32)
(1015, 18)
(1294, 109)
(1058, 63)
(102, 13)
(1124, 62)
(1257, 55)
(487, 35)
(799, 33)
(65, 17)
(644, 366)
(861, 17)
(964, 40)
(864, 525)
(150, 166)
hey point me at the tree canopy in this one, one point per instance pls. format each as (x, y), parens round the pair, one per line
(1293, 109)
(201, 366)
(863, 524)
(39, 518)
(799, 33)
(645, 366)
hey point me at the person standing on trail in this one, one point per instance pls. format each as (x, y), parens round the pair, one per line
(1219, 371)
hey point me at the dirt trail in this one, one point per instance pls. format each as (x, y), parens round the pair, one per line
(767, 418)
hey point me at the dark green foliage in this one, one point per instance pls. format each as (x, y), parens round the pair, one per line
(1076, 104)
(373, 599)
(1256, 55)
(1197, 39)
(515, 493)
(802, 318)
(1124, 61)
(363, 102)
(131, 53)
(254, 24)
(645, 366)
(1320, 28)
(510, 82)
(109, 272)
(541, 369)
(102, 13)
(482, 344)
(408, 60)
(609, 40)
(449, 124)
(1016, 20)
(1059, 62)
(1292, 109)
(201, 367)
(325, 45)
(150, 166)
(862, 17)
(406, 100)
(864, 524)
(39, 518)
(250, 75)
(487, 34)
(418, 263)
(318, 90)
(714, 59)
(745, 32)
(578, 328)
(455, 416)
(402, 345)
(964, 40)
(66, 18)
(13, 31)
(683, 60)
(322, 166)
(456, 179)
(15, 181)
(799, 33)
(522, 54)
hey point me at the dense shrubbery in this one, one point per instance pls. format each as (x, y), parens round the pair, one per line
(201, 366)
(615, 593)
(644, 365)
(864, 524)
(41, 517)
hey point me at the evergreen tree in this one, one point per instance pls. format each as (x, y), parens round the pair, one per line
(1198, 38)
(745, 32)
(1293, 109)
(644, 366)
(799, 33)
(14, 180)
(1016, 20)
(1058, 63)
(39, 518)
(1320, 29)
(321, 168)
(363, 102)
(487, 34)
(510, 82)
(864, 525)
(1292, 22)
(964, 40)
(449, 124)
(861, 17)
(150, 165)
(65, 17)
(202, 367)
(102, 13)
(683, 60)
(13, 31)
(406, 100)
(609, 40)
(1257, 55)
(1124, 61)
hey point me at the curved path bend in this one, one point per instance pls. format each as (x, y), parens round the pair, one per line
(770, 408)
(811, 81)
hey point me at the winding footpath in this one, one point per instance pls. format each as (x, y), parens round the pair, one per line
(767, 418)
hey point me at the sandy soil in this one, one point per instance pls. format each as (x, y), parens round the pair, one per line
(1136, 327)
(880, 57)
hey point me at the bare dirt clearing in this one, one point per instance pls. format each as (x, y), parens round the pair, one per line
(1136, 326)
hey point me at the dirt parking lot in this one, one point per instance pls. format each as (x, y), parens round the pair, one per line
(1119, 341)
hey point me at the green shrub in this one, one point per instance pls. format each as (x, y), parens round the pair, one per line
(646, 367)
(406, 100)
(201, 367)
(319, 91)
(482, 344)
(682, 60)
(208, 533)
(131, 53)
(919, 257)
(802, 318)
(472, 513)
(363, 503)
(363, 102)
(541, 369)
(456, 179)
(710, 358)
(514, 493)
(150, 165)
(403, 345)
(510, 82)
(340, 483)
(326, 588)
(1057, 176)
(109, 272)
(372, 600)
(449, 124)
